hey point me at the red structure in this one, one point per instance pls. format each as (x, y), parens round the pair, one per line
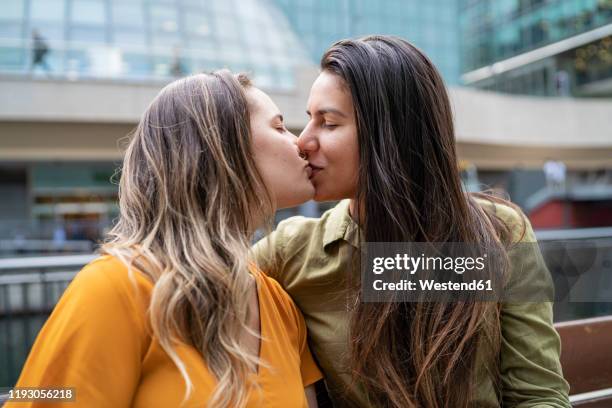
(581, 208)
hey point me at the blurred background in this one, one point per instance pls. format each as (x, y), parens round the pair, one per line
(530, 83)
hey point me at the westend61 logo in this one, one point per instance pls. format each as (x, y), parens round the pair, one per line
(522, 272)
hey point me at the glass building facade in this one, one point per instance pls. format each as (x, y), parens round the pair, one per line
(541, 47)
(431, 25)
(156, 40)
(140, 39)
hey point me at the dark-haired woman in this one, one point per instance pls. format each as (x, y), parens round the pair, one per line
(380, 138)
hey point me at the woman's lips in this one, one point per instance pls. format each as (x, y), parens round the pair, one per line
(315, 170)
(308, 170)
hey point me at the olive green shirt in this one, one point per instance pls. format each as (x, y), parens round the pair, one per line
(311, 259)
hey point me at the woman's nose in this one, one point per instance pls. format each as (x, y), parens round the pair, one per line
(307, 142)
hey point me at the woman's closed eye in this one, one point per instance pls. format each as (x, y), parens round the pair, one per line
(280, 127)
(327, 125)
(278, 123)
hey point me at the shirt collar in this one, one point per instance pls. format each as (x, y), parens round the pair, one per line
(340, 226)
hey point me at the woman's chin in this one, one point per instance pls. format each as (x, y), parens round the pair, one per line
(321, 195)
(297, 199)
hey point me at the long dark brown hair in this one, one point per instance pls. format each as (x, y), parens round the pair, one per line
(409, 190)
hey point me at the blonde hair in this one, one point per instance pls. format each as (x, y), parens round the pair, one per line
(190, 199)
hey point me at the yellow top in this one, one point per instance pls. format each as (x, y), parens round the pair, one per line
(97, 340)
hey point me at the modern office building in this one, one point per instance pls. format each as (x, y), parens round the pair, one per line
(538, 47)
(120, 45)
(58, 158)
(431, 25)
(143, 39)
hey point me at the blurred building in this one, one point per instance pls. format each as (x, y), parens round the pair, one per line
(149, 39)
(63, 180)
(538, 47)
(431, 25)
(75, 76)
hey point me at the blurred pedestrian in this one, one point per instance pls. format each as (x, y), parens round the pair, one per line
(59, 235)
(562, 83)
(555, 173)
(177, 69)
(40, 49)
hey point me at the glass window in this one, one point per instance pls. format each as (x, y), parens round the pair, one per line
(276, 42)
(166, 39)
(305, 20)
(226, 26)
(232, 53)
(430, 35)
(263, 77)
(47, 10)
(127, 14)
(328, 23)
(504, 8)
(89, 12)
(137, 65)
(222, 5)
(77, 61)
(251, 9)
(164, 18)
(286, 78)
(12, 59)
(165, 29)
(11, 30)
(197, 23)
(49, 32)
(12, 10)
(280, 60)
(204, 50)
(207, 65)
(129, 37)
(87, 34)
(161, 66)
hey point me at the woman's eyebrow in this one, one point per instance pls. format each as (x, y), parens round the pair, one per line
(324, 111)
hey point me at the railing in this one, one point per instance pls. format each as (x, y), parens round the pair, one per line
(581, 240)
(29, 289)
(77, 60)
(42, 246)
(49, 237)
(88, 60)
(571, 234)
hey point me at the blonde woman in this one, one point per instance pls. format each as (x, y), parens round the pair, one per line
(173, 314)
